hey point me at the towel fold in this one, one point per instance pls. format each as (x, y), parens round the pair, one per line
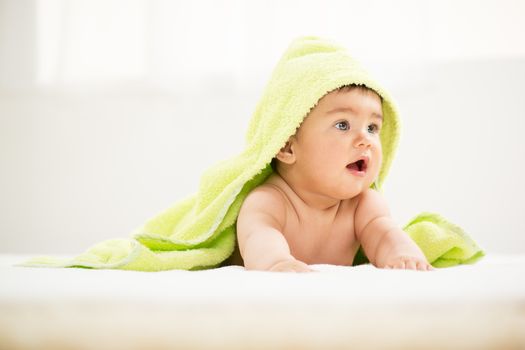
(443, 243)
(199, 231)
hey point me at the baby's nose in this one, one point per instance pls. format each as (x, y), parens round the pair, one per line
(362, 140)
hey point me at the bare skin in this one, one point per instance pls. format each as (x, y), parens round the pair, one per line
(317, 208)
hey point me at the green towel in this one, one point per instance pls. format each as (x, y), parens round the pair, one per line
(199, 231)
(443, 243)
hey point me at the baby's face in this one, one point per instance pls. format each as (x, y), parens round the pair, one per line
(337, 147)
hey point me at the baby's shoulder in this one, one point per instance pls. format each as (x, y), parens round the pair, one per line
(370, 199)
(364, 196)
(267, 198)
(370, 205)
(268, 193)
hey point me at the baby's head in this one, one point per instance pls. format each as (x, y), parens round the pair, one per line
(336, 151)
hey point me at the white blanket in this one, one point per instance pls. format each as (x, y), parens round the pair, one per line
(476, 307)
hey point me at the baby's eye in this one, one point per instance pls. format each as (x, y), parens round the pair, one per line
(373, 128)
(342, 125)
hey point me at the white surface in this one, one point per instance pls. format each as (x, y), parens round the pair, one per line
(499, 278)
(476, 306)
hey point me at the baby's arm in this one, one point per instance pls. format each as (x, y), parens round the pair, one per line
(259, 232)
(385, 244)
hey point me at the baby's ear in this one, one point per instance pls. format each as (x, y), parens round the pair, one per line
(286, 154)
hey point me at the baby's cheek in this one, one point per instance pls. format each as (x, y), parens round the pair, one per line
(374, 172)
(379, 161)
(324, 156)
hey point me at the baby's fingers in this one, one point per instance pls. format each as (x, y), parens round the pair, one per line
(427, 267)
(400, 264)
(424, 266)
(291, 266)
(411, 265)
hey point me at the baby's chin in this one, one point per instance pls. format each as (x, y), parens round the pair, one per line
(349, 193)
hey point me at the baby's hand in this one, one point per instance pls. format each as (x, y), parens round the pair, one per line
(408, 262)
(291, 266)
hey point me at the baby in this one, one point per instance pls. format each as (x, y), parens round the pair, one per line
(317, 207)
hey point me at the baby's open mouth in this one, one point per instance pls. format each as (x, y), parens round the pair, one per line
(359, 165)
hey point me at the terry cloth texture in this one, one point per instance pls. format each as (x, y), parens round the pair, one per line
(199, 231)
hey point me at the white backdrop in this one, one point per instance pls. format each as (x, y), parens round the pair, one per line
(110, 110)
